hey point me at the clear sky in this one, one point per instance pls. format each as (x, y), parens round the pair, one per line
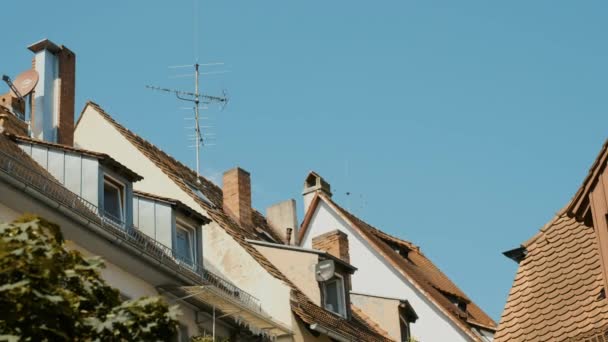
(462, 126)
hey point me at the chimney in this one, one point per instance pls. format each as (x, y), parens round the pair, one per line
(288, 232)
(282, 216)
(53, 97)
(313, 184)
(237, 195)
(334, 243)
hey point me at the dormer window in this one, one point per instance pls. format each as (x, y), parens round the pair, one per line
(334, 296)
(184, 243)
(114, 200)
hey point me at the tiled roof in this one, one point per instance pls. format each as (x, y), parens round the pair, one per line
(102, 157)
(185, 178)
(418, 268)
(359, 328)
(557, 294)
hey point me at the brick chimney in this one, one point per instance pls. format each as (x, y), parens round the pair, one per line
(334, 243)
(53, 97)
(237, 195)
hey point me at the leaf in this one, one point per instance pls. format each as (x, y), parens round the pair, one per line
(8, 287)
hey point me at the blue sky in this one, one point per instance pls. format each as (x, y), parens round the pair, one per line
(461, 126)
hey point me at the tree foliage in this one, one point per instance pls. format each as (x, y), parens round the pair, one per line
(48, 293)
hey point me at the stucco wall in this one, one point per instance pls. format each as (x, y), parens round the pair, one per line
(225, 256)
(7, 214)
(220, 252)
(299, 267)
(375, 276)
(385, 312)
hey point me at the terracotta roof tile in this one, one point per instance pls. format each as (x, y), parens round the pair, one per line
(556, 294)
(185, 178)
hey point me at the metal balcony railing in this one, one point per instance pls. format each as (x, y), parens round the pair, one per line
(131, 235)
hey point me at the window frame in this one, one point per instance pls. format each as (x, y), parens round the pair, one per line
(121, 187)
(342, 309)
(191, 231)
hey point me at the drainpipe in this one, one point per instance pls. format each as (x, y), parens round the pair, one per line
(318, 328)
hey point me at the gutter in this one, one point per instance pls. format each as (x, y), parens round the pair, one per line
(93, 226)
(321, 329)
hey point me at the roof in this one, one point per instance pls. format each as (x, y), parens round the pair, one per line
(176, 204)
(185, 178)
(323, 254)
(360, 327)
(416, 266)
(557, 292)
(559, 289)
(103, 158)
(580, 202)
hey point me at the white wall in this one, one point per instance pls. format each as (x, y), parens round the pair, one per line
(376, 277)
(220, 251)
(8, 214)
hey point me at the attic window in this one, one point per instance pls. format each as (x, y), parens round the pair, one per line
(113, 200)
(334, 296)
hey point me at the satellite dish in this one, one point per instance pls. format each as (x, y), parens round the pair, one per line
(325, 270)
(25, 83)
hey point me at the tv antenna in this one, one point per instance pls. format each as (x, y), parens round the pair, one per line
(197, 98)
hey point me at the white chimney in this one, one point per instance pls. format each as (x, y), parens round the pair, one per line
(313, 184)
(282, 216)
(53, 97)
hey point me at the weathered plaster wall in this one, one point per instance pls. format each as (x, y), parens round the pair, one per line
(385, 312)
(299, 267)
(220, 251)
(375, 276)
(7, 214)
(225, 256)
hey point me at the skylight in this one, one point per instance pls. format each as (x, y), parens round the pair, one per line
(200, 194)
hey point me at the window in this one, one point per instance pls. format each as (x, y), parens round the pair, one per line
(113, 200)
(404, 326)
(184, 244)
(333, 295)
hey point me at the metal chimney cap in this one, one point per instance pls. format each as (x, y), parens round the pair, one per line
(44, 44)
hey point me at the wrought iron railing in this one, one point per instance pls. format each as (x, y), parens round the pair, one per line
(131, 235)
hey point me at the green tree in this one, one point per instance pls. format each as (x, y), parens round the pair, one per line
(48, 293)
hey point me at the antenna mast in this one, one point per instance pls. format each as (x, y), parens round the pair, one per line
(197, 98)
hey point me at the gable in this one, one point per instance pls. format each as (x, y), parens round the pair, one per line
(376, 275)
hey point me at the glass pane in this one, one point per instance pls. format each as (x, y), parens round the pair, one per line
(111, 202)
(332, 294)
(182, 245)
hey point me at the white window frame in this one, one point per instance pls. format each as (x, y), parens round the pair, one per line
(341, 310)
(121, 187)
(191, 231)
